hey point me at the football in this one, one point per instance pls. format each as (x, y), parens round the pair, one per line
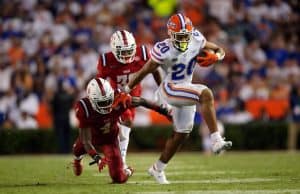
(204, 57)
(203, 54)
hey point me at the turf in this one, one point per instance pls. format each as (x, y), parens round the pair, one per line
(233, 172)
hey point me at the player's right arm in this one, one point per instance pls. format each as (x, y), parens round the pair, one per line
(149, 67)
(85, 134)
(158, 54)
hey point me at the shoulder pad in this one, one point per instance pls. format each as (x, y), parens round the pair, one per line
(84, 108)
(103, 59)
(198, 36)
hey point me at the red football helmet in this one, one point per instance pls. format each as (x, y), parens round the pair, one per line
(180, 30)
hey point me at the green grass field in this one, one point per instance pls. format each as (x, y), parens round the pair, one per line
(233, 172)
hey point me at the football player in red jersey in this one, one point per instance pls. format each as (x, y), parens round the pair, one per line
(118, 66)
(98, 115)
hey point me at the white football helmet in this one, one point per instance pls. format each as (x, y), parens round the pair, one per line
(123, 46)
(101, 95)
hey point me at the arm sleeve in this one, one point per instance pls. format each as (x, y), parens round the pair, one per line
(145, 52)
(80, 115)
(159, 52)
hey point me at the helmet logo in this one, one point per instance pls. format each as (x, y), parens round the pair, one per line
(171, 25)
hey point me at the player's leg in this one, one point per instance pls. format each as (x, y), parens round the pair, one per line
(125, 128)
(209, 114)
(186, 94)
(78, 152)
(115, 164)
(183, 118)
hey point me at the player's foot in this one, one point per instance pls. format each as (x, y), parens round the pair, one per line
(219, 145)
(77, 167)
(129, 171)
(158, 175)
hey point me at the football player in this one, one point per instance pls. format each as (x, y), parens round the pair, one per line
(177, 56)
(98, 115)
(118, 66)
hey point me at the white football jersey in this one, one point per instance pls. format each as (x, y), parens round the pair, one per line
(178, 66)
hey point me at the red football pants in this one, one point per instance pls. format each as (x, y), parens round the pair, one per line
(112, 154)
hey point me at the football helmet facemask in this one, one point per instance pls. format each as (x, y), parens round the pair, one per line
(123, 46)
(180, 30)
(101, 95)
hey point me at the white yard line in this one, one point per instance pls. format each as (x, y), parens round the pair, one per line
(211, 181)
(280, 191)
(200, 172)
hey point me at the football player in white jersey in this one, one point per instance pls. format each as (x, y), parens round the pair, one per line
(177, 56)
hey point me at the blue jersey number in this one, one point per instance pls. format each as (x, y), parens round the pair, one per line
(180, 69)
(163, 47)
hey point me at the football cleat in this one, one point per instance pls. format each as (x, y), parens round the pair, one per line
(159, 176)
(77, 167)
(219, 145)
(129, 171)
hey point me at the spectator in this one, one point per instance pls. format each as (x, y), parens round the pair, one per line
(294, 126)
(260, 39)
(62, 103)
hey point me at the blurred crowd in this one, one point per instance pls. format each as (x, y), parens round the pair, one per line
(46, 44)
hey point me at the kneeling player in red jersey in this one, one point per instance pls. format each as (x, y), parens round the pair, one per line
(98, 115)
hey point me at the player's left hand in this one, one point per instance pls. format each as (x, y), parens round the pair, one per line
(123, 99)
(207, 60)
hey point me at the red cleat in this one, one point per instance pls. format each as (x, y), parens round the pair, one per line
(77, 167)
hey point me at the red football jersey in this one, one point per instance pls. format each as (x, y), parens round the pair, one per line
(103, 127)
(118, 73)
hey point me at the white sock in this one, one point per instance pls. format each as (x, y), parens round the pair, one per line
(78, 157)
(216, 136)
(124, 141)
(206, 143)
(160, 166)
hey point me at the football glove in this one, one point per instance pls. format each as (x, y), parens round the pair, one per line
(96, 159)
(100, 161)
(206, 60)
(123, 99)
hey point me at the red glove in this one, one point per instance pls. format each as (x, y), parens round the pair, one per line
(207, 60)
(123, 99)
(102, 163)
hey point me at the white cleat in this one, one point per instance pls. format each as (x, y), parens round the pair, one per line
(159, 176)
(220, 145)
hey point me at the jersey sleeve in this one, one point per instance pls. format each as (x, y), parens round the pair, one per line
(145, 52)
(101, 67)
(198, 36)
(159, 52)
(81, 116)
